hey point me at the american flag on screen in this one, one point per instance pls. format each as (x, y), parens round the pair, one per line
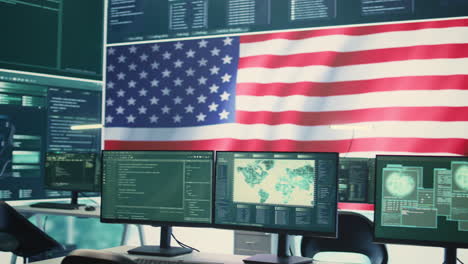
(400, 88)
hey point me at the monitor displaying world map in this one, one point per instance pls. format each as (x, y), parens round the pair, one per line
(293, 192)
(274, 182)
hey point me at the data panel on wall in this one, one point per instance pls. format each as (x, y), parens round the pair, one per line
(36, 114)
(140, 20)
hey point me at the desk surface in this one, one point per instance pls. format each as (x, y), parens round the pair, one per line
(195, 256)
(81, 212)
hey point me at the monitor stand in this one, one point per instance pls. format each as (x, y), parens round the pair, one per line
(164, 249)
(450, 256)
(282, 256)
(74, 198)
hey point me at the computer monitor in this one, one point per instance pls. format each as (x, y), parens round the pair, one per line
(163, 188)
(75, 172)
(36, 116)
(356, 182)
(44, 37)
(278, 192)
(422, 200)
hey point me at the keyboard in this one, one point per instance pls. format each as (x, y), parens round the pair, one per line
(171, 261)
(55, 205)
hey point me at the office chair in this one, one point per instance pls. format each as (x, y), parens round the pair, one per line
(21, 237)
(355, 234)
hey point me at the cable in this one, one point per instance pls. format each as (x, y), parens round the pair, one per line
(184, 245)
(290, 251)
(458, 261)
(4, 167)
(44, 225)
(350, 143)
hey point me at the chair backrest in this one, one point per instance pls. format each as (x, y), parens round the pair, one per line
(8, 242)
(355, 234)
(26, 239)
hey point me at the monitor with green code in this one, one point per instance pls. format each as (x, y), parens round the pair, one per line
(157, 187)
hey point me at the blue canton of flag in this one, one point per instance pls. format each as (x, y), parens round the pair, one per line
(172, 84)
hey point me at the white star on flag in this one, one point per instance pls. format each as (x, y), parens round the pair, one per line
(215, 51)
(227, 59)
(223, 115)
(190, 53)
(166, 109)
(214, 70)
(143, 57)
(120, 110)
(142, 110)
(214, 88)
(154, 100)
(226, 78)
(189, 109)
(167, 55)
(155, 47)
(131, 119)
(120, 93)
(228, 41)
(178, 45)
(213, 107)
(143, 92)
(201, 99)
(203, 43)
(166, 91)
(201, 117)
(154, 83)
(131, 101)
(177, 118)
(154, 119)
(189, 90)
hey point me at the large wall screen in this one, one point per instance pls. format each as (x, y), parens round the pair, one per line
(164, 19)
(62, 37)
(36, 114)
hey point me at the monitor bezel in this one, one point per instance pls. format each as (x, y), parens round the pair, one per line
(155, 222)
(278, 230)
(414, 242)
(96, 188)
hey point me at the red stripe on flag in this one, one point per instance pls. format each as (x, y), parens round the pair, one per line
(354, 116)
(457, 82)
(356, 30)
(356, 206)
(416, 145)
(337, 59)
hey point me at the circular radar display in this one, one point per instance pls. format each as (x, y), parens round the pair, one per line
(400, 185)
(461, 177)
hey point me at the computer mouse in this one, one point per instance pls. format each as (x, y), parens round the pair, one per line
(91, 256)
(90, 208)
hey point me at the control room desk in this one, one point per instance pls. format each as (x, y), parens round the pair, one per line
(29, 211)
(81, 212)
(195, 256)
